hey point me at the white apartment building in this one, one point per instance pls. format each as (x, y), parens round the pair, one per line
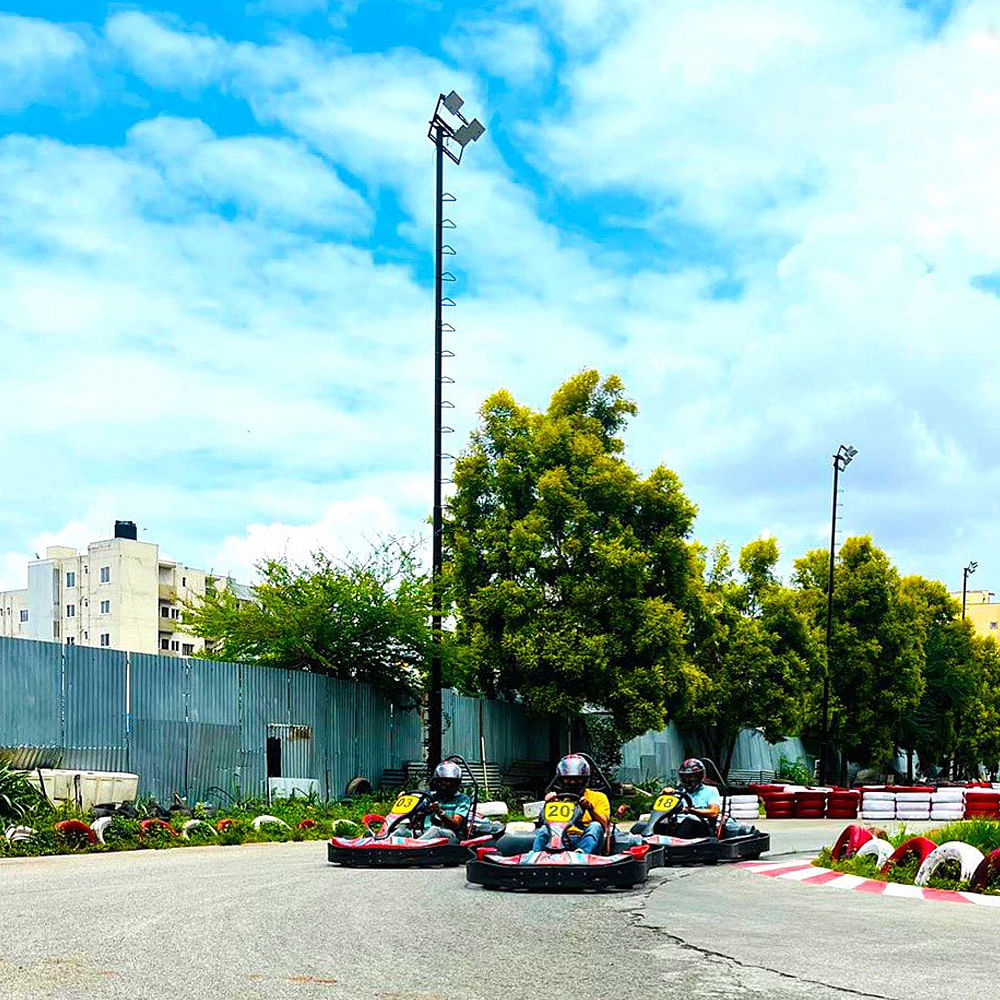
(119, 594)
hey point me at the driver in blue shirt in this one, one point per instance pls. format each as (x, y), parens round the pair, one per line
(706, 801)
(450, 806)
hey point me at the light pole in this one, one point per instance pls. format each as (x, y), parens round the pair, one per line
(451, 132)
(967, 571)
(843, 458)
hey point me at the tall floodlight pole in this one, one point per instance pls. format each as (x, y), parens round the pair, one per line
(451, 132)
(967, 571)
(843, 458)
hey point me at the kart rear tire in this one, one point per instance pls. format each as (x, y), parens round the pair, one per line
(358, 786)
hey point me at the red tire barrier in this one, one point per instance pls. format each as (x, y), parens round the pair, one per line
(988, 868)
(915, 847)
(224, 824)
(76, 827)
(147, 824)
(850, 841)
(370, 818)
(307, 824)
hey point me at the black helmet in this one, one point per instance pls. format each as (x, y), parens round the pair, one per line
(691, 773)
(447, 778)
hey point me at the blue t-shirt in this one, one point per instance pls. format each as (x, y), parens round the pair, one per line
(705, 796)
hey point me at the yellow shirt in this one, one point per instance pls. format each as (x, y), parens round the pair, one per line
(595, 806)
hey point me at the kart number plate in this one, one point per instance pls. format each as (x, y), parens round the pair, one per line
(404, 804)
(559, 812)
(665, 803)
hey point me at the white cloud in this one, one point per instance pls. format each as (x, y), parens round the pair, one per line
(515, 51)
(164, 56)
(39, 61)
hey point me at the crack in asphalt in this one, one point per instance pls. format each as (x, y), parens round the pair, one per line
(637, 914)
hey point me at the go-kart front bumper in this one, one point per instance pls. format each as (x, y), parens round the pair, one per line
(366, 852)
(570, 870)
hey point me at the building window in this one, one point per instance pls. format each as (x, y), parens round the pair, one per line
(86, 636)
(174, 645)
(993, 625)
(175, 613)
(164, 612)
(105, 574)
(164, 644)
(70, 641)
(70, 610)
(184, 581)
(71, 579)
(24, 615)
(105, 638)
(188, 649)
(105, 607)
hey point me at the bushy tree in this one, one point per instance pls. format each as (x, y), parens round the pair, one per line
(754, 652)
(876, 655)
(568, 570)
(361, 619)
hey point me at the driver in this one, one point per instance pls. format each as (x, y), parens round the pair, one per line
(450, 806)
(572, 777)
(705, 800)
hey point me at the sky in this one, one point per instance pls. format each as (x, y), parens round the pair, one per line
(777, 220)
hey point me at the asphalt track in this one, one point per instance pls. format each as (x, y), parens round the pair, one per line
(274, 921)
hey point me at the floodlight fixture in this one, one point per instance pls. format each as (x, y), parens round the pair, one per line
(453, 102)
(469, 132)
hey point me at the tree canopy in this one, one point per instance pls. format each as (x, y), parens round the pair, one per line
(568, 570)
(361, 619)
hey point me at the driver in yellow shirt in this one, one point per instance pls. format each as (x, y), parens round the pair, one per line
(573, 775)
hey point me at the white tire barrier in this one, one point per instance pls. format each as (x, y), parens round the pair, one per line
(878, 848)
(879, 797)
(193, 824)
(15, 834)
(262, 820)
(968, 857)
(100, 827)
(948, 795)
(948, 815)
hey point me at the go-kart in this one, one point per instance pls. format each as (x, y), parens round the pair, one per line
(688, 839)
(394, 840)
(559, 866)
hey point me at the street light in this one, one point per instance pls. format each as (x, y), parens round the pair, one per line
(451, 132)
(967, 571)
(843, 458)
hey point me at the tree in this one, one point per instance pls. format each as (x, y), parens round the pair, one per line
(362, 620)
(950, 672)
(876, 654)
(569, 571)
(754, 651)
(978, 736)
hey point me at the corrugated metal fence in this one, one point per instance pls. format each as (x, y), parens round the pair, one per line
(190, 725)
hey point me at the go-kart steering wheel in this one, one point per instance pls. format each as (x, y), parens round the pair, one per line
(420, 809)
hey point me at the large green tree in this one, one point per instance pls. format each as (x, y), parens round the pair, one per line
(568, 570)
(978, 727)
(755, 652)
(362, 619)
(951, 672)
(876, 650)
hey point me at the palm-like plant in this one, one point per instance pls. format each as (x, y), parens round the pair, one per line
(17, 794)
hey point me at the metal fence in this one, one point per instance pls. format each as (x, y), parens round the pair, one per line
(190, 725)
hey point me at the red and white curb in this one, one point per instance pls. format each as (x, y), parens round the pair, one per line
(808, 874)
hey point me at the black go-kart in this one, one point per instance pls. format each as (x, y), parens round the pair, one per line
(687, 839)
(394, 840)
(514, 864)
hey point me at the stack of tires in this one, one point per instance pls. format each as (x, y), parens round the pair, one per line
(843, 804)
(811, 803)
(948, 804)
(982, 803)
(878, 805)
(913, 803)
(743, 808)
(779, 805)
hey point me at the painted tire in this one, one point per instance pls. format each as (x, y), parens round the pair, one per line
(988, 867)
(148, 824)
(878, 848)
(16, 834)
(967, 856)
(224, 824)
(850, 841)
(193, 824)
(307, 824)
(266, 819)
(919, 847)
(100, 827)
(76, 827)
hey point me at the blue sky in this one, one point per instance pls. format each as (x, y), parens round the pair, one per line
(776, 220)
